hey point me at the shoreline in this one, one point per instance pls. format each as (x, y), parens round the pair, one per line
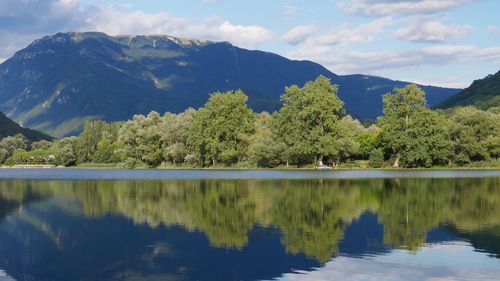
(99, 167)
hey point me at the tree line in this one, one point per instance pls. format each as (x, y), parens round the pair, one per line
(311, 128)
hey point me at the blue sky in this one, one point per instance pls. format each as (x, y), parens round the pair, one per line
(438, 42)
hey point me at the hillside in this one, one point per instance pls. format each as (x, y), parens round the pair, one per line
(483, 93)
(10, 128)
(57, 82)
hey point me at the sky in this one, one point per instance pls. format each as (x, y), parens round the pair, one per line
(433, 42)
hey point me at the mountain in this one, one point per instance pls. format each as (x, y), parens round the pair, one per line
(10, 128)
(58, 81)
(483, 93)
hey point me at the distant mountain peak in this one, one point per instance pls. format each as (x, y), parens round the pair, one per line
(61, 80)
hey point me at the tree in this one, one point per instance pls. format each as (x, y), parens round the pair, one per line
(43, 144)
(265, 149)
(12, 143)
(94, 131)
(412, 133)
(368, 140)
(475, 133)
(66, 156)
(308, 121)
(107, 150)
(221, 129)
(141, 138)
(4, 154)
(376, 159)
(174, 140)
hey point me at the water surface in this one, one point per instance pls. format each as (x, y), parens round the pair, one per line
(65, 224)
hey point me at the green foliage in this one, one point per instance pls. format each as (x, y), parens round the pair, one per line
(412, 133)
(376, 159)
(97, 132)
(65, 156)
(175, 128)
(65, 151)
(265, 149)
(475, 133)
(14, 142)
(308, 122)
(4, 154)
(309, 127)
(141, 138)
(221, 129)
(43, 144)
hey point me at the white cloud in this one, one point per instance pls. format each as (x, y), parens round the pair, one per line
(210, 1)
(114, 22)
(345, 35)
(434, 262)
(21, 22)
(392, 7)
(250, 35)
(422, 30)
(298, 34)
(494, 30)
(346, 61)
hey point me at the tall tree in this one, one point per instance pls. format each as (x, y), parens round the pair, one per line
(221, 129)
(141, 139)
(308, 121)
(411, 132)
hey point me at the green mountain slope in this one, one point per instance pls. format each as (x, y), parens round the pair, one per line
(483, 93)
(59, 81)
(10, 128)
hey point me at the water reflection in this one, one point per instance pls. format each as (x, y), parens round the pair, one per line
(237, 229)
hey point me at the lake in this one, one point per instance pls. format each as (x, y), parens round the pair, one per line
(85, 224)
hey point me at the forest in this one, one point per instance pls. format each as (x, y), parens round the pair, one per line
(311, 129)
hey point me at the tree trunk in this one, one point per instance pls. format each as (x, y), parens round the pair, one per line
(396, 162)
(213, 161)
(450, 162)
(320, 161)
(287, 163)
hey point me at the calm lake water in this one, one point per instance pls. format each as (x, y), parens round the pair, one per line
(72, 224)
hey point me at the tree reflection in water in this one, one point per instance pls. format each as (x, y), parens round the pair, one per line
(311, 214)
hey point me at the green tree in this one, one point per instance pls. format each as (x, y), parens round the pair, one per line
(12, 143)
(94, 131)
(368, 141)
(4, 154)
(141, 139)
(221, 129)
(308, 121)
(64, 151)
(175, 129)
(412, 133)
(475, 133)
(66, 156)
(265, 149)
(376, 159)
(43, 144)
